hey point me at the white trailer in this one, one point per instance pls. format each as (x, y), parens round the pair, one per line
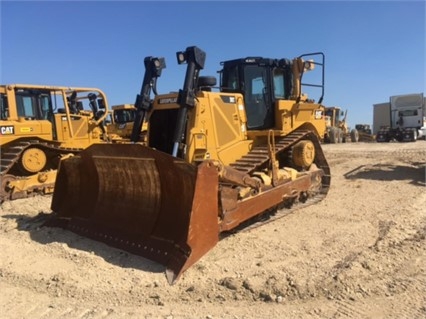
(381, 118)
(407, 117)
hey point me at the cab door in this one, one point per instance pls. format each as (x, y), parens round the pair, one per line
(34, 110)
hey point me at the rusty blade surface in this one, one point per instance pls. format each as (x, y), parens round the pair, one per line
(140, 200)
(203, 231)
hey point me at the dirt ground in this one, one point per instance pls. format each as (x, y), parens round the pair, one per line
(360, 253)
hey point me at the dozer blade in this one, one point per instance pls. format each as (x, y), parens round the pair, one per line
(142, 201)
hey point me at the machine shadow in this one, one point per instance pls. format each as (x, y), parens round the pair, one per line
(43, 234)
(414, 174)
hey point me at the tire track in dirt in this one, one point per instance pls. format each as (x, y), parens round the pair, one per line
(347, 309)
(49, 312)
(407, 248)
(60, 309)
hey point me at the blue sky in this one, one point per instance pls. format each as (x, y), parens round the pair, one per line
(373, 49)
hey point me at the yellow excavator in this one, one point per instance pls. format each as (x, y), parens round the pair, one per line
(39, 125)
(216, 158)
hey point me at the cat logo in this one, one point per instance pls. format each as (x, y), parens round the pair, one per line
(7, 130)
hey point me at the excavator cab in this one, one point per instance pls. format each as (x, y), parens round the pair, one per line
(213, 160)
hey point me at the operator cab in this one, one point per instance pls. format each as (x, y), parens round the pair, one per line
(123, 116)
(34, 104)
(262, 82)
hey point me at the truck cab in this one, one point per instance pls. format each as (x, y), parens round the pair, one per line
(407, 117)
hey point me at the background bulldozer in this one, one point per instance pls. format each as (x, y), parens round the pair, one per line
(365, 133)
(215, 158)
(120, 123)
(39, 125)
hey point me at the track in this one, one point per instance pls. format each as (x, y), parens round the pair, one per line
(10, 162)
(258, 158)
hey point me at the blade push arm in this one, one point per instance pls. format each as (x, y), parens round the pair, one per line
(153, 68)
(195, 58)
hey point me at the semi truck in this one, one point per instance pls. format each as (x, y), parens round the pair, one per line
(407, 118)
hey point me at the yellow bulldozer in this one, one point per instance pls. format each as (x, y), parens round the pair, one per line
(216, 158)
(365, 133)
(39, 125)
(120, 123)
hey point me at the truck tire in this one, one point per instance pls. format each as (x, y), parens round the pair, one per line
(354, 136)
(333, 136)
(339, 135)
(415, 135)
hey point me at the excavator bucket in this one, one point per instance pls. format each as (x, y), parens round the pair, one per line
(140, 200)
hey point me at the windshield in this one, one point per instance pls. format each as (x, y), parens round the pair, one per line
(124, 116)
(408, 113)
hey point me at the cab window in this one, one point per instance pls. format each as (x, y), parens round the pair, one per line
(27, 106)
(4, 107)
(124, 116)
(45, 106)
(279, 84)
(35, 105)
